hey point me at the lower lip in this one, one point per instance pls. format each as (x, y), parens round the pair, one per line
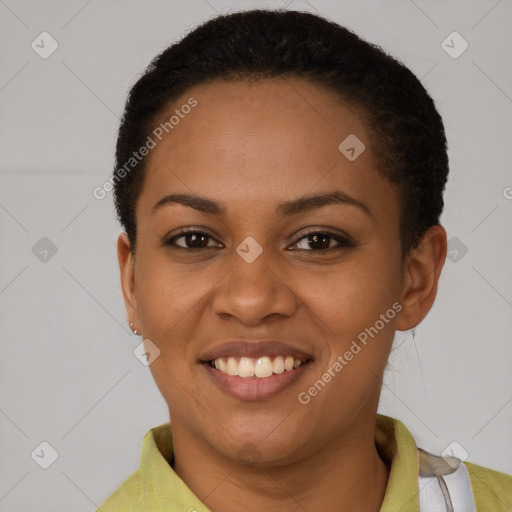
(255, 388)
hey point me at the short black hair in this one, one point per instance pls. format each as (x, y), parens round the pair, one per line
(408, 137)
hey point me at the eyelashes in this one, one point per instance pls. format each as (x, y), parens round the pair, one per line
(196, 236)
(317, 240)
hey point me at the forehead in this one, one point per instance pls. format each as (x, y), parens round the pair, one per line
(258, 142)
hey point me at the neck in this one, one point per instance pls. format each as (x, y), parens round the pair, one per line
(346, 474)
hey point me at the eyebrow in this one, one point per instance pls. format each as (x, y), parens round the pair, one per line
(202, 204)
(287, 208)
(306, 203)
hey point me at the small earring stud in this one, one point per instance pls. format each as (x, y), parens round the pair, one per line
(134, 330)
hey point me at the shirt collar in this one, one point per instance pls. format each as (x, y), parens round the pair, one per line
(163, 489)
(396, 444)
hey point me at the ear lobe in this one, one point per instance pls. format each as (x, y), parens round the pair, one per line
(126, 261)
(421, 277)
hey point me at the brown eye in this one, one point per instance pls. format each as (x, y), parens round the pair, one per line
(321, 241)
(193, 240)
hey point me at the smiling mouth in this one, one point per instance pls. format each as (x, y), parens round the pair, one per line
(260, 367)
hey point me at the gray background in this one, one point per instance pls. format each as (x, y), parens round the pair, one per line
(68, 373)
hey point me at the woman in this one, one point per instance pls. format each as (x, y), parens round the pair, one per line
(280, 184)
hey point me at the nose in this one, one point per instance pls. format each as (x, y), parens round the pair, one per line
(254, 292)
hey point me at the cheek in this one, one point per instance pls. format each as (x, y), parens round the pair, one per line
(166, 300)
(353, 307)
(351, 297)
(168, 293)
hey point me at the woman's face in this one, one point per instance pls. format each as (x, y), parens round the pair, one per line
(297, 255)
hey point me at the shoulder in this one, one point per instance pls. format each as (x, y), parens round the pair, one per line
(125, 496)
(492, 490)
(141, 490)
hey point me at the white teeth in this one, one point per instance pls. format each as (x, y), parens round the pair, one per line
(261, 367)
(246, 367)
(232, 366)
(222, 365)
(278, 364)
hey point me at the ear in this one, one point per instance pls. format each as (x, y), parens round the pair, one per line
(422, 269)
(126, 261)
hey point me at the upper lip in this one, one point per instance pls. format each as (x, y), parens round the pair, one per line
(253, 348)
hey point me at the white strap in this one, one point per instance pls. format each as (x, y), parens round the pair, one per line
(443, 486)
(458, 486)
(431, 495)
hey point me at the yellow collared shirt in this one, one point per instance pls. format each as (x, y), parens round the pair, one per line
(155, 487)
